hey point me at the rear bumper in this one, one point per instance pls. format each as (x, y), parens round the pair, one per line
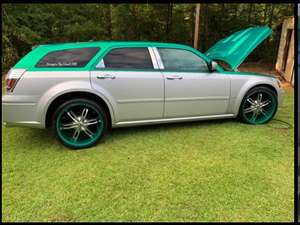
(18, 111)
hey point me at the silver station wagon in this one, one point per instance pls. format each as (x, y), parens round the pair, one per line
(80, 90)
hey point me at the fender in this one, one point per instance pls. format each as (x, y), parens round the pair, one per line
(84, 86)
(240, 86)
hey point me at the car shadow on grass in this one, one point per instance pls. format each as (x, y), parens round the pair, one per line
(152, 129)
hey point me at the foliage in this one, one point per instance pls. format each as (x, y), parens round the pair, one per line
(26, 25)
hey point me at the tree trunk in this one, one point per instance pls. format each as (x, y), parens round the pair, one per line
(205, 31)
(169, 19)
(197, 23)
(192, 16)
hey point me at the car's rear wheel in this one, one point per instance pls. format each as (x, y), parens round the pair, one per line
(258, 106)
(79, 123)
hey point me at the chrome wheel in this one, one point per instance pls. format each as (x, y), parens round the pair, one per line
(259, 106)
(80, 124)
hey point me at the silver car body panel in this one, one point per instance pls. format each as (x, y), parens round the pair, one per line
(134, 97)
(28, 104)
(195, 94)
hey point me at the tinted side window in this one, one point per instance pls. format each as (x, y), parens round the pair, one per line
(76, 57)
(182, 60)
(128, 58)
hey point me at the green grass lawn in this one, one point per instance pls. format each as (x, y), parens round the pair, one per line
(220, 170)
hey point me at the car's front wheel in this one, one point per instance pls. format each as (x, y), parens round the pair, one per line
(258, 106)
(79, 123)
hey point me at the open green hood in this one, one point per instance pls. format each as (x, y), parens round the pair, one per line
(234, 49)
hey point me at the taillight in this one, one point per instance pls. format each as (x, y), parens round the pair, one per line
(10, 84)
(12, 78)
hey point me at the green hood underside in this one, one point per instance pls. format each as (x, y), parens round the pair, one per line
(234, 49)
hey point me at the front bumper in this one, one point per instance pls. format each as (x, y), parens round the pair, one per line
(19, 111)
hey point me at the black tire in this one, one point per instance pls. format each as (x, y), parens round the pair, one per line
(96, 126)
(268, 111)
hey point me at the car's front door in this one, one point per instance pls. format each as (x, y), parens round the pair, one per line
(127, 74)
(190, 88)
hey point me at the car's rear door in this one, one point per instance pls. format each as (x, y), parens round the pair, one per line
(190, 88)
(130, 78)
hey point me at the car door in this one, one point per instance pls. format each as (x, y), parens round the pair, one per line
(190, 88)
(134, 84)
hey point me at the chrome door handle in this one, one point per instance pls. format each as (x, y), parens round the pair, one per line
(106, 76)
(174, 77)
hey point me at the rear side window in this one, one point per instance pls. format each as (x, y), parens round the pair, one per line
(182, 60)
(76, 57)
(127, 58)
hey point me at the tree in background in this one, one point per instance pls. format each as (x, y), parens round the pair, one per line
(26, 25)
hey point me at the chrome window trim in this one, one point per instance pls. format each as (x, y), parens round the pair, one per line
(153, 58)
(158, 58)
(100, 64)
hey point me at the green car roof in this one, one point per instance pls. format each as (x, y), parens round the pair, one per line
(31, 59)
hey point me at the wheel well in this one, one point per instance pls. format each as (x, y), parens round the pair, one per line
(265, 85)
(72, 95)
(259, 85)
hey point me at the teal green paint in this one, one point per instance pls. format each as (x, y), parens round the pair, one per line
(82, 143)
(29, 61)
(234, 49)
(246, 74)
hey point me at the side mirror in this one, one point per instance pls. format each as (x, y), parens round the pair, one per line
(213, 66)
